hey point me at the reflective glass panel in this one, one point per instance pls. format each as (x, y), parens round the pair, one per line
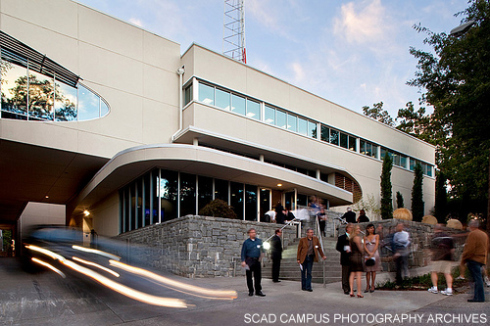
(302, 126)
(205, 191)
(88, 104)
(188, 94)
(138, 213)
(334, 137)
(344, 140)
(403, 161)
(147, 199)
(41, 97)
(221, 190)
(292, 122)
(187, 194)
(281, 119)
(236, 200)
(265, 203)
(65, 106)
(352, 143)
(253, 109)
(238, 104)
(269, 115)
(312, 129)
(250, 203)
(14, 90)
(428, 170)
(374, 150)
(383, 153)
(223, 99)
(168, 195)
(206, 94)
(325, 136)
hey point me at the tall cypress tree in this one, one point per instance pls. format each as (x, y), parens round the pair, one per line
(399, 200)
(417, 196)
(386, 197)
(440, 209)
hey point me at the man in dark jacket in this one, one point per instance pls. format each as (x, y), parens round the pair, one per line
(252, 252)
(349, 216)
(343, 246)
(276, 255)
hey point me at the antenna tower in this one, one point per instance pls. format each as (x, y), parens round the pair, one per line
(234, 30)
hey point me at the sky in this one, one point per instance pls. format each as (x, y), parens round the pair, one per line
(353, 53)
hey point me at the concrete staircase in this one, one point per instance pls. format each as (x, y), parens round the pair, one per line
(290, 269)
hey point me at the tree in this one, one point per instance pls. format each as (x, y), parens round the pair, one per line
(440, 209)
(414, 123)
(399, 200)
(386, 197)
(417, 195)
(378, 113)
(456, 79)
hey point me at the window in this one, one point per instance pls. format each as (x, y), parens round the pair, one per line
(206, 94)
(168, 194)
(325, 136)
(250, 203)
(237, 104)
(221, 190)
(269, 115)
(88, 104)
(187, 194)
(353, 143)
(188, 94)
(236, 200)
(344, 140)
(223, 99)
(334, 137)
(302, 126)
(205, 192)
(292, 122)
(253, 109)
(281, 119)
(66, 102)
(312, 132)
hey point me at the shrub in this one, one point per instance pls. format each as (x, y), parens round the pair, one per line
(218, 208)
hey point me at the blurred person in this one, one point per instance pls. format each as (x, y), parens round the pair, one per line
(343, 246)
(442, 246)
(362, 217)
(356, 261)
(252, 253)
(372, 262)
(276, 255)
(475, 256)
(349, 216)
(280, 216)
(400, 247)
(308, 249)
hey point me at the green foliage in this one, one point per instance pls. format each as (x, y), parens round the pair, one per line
(378, 113)
(417, 195)
(386, 189)
(440, 209)
(456, 79)
(414, 123)
(399, 200)
(218, 208)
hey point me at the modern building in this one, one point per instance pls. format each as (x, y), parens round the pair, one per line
(119, 127)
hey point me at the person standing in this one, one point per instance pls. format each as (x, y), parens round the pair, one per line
(252, 252)
(356, 261)
(400, 247)
(442, 254)
(308, 249)
(349, 216)
(343, 246)
(276, 255)
(372, 262)
(362, 217)
(475, 256)
(280, 216)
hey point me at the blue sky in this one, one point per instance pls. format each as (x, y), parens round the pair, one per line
(353, 53)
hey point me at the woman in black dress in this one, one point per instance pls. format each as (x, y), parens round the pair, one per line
(356, 261)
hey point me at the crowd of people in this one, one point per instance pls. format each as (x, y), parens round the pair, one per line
(360, 253)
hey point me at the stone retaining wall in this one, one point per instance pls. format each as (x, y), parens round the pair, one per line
(197, 246)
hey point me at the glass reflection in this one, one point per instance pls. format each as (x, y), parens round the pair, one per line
(88, 104)
(14, 91)
(41, 97)
(65, 104)
(238, 104)
(223, 99)
(253, 109)
(270, 115)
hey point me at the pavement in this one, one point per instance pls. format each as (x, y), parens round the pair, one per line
(47, 299)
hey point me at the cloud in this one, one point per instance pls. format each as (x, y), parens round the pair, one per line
(361, 23)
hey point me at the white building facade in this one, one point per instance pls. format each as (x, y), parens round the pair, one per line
(115, 123)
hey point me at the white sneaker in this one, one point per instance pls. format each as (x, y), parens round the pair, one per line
(433, 290)
(447, 292)
(460, 278)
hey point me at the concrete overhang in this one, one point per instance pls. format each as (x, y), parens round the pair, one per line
(134, 162)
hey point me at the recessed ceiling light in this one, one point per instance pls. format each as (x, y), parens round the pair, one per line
(279, 184)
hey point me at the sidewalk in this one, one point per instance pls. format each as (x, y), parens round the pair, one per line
(47, 299)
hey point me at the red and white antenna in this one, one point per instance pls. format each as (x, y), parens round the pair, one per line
(234, 30)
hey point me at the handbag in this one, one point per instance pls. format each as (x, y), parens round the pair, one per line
(371, 261)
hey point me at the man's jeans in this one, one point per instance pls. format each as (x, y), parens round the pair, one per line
(475, 270)
(306, 273)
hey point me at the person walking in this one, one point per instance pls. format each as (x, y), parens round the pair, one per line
(308, 249)
(372, 262)
(343, 246)
(276, 255)
(349, 216)
(252, 253)
(442, 246)
(475, 256)
(400, 247)
(356, 261)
